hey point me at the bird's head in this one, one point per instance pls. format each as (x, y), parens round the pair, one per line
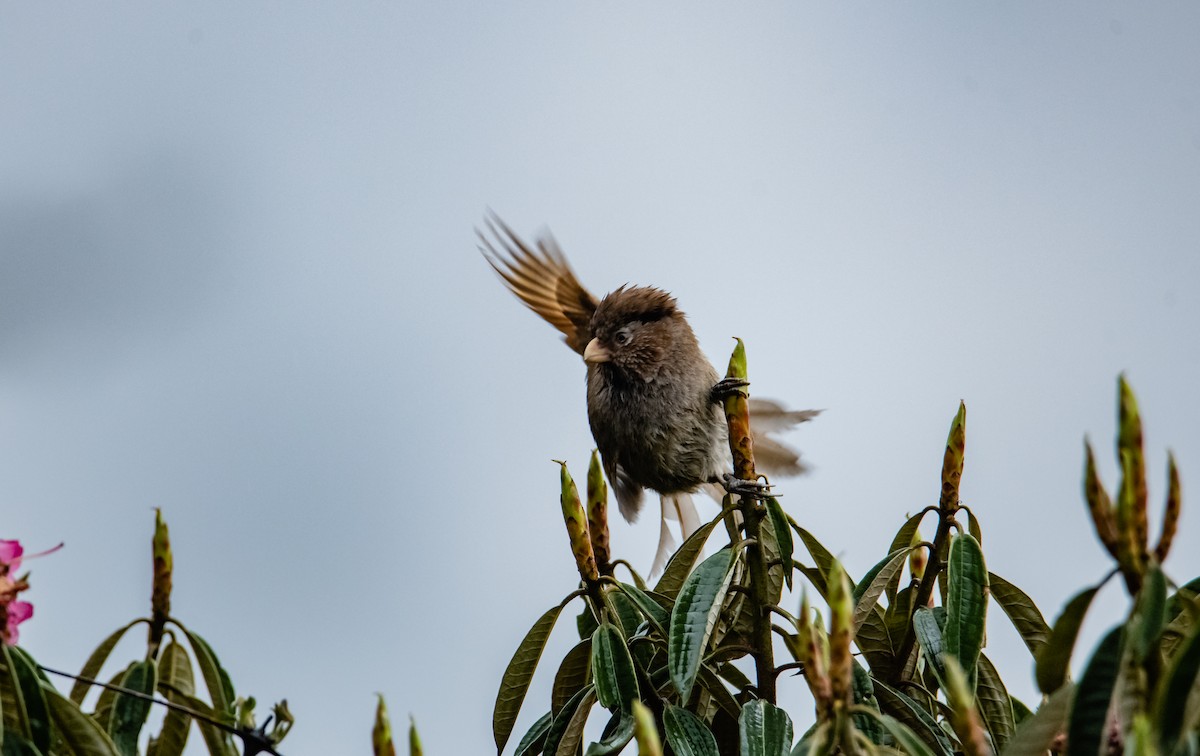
(637, 330)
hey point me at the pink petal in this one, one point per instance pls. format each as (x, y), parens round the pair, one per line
(18, 612)
(10, 554)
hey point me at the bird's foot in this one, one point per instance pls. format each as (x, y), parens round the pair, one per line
(751, 488)
(728, 387)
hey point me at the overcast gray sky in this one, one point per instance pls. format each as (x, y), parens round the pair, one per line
(238, 281)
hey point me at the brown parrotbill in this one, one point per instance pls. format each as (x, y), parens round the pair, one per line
(652, 395)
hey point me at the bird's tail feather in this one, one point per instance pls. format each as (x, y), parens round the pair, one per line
(678, 507)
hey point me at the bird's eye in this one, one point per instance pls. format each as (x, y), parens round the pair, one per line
(622, 338)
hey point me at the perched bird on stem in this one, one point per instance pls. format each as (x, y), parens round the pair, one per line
(653, 398)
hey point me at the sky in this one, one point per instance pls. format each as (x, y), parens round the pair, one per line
(239, 281)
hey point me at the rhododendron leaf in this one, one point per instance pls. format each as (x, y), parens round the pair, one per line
(29, 696)
(174, 678)
(129, 713)
(517, 676)
(81, 733)
(91, 668)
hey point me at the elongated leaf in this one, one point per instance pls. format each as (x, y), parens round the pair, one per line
(216, 679)
(821, 556)
(683, 560)
(868, 591)
(31, 696)
(174, 674)
(694, 616)
(79, 732)
(995, 706)
(130, 712)
(650, 609)
(1021, 611)
(929, 638)
(617, 735)
(573, 673)
(687, 734)
(562, 720)
(515, 682)
(1180, 680)
(783, 534)
(904, 535)
(1089, 714)
(1149, 615)
(765, 730)
(1037, 733)
(535, 739)
(91, 668)
(904, 737)
(612, 669)
(966, 604)
(572, 735)
(1055, 657)
(914, 716)
(216, 740)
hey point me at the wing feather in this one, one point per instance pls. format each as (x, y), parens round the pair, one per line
(542, 279)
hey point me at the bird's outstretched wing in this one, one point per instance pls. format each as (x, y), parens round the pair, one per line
(542, 279)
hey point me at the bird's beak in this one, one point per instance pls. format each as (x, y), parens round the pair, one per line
(595, 353)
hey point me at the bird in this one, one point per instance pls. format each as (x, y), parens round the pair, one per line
(652, 396)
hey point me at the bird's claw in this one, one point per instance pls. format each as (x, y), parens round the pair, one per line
(750, 488)
(727, 387)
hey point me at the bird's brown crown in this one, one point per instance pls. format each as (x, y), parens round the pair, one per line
(627, 304)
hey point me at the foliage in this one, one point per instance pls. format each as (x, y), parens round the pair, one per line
(37, 719)
(895, 665)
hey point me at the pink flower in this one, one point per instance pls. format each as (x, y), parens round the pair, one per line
(10, 556)
(13, 612)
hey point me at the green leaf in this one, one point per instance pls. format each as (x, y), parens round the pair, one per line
(904, 737)
(626, 612)
(617, 735)
(1021, 611)
(91, 668)
(1179, 681)
(174, 674)
(216, 679)
(821, 556)
(783, 534)
(1089, 714)
(535, 738)
(216, 740)
(612, 669)
(914, 716)
(15, 745)
(864, 696)
(966, 604)
(1037, 733)
(693, 617)
(687, 734)
(651, 609)
(564, 719)
(683, 560)
(929, 638)
(29, 694)
(1149, 615)
(764, 729)
(129, 712)
(904, 535)
(1055, 657)
(573, 673)
(868, 591)
(515, 682)
(994, 704)
(81, 734)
